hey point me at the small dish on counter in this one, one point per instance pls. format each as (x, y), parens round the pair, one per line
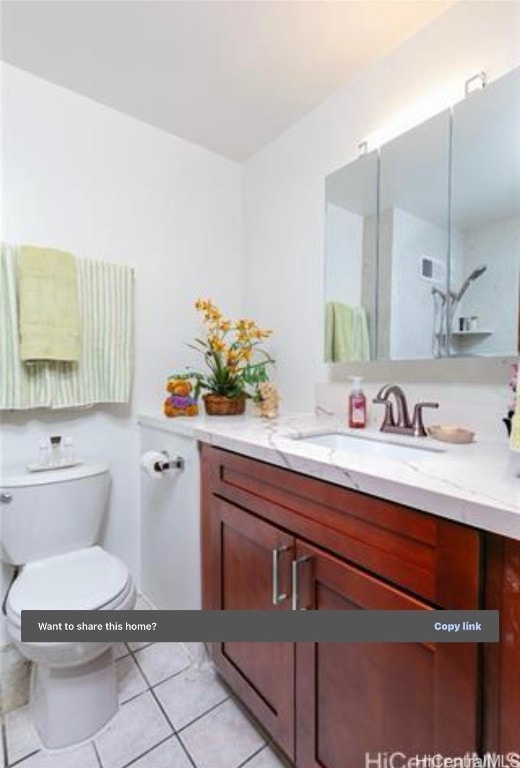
(450, 434)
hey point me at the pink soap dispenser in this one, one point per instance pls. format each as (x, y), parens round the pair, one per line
(357, 405)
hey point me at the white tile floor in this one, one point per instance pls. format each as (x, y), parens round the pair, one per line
(172, 715)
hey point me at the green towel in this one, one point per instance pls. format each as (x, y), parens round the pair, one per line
(48, 305)
(346, 333)
(104, 371)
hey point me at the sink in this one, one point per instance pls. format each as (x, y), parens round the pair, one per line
(371, 446)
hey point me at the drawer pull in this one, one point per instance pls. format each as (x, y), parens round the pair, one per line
(277, 597)
(295, 578)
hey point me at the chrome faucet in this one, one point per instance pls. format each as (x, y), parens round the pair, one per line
(403, 424)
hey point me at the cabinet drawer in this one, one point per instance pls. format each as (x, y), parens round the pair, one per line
(430, 557)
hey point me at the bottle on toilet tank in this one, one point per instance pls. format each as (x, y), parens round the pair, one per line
(56, 450)
(357, 404)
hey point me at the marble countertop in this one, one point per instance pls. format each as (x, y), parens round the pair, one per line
(477, 484)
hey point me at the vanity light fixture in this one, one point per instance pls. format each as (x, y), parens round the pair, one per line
(416, 113)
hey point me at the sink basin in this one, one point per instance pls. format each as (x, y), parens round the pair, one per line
(371, 446)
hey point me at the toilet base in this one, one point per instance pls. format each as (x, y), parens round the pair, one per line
(70, 704)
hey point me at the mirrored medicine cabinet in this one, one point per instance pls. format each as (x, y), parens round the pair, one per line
(422, 246)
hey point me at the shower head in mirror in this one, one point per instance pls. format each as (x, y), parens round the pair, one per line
(467, 282)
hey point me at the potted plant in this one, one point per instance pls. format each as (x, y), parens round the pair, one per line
(235, 360)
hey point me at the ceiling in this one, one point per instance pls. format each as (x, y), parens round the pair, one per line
(228, 75)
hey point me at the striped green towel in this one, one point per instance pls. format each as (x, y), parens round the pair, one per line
(105, 364)
(103, 373)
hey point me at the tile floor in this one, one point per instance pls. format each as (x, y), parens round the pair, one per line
(173, 714)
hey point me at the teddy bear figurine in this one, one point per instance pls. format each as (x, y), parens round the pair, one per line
(267, 400)
(179, 401)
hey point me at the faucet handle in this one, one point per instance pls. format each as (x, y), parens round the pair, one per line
(417, 421)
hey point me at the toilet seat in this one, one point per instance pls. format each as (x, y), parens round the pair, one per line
(85, 579)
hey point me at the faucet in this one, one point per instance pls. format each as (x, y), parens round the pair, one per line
(403, 424)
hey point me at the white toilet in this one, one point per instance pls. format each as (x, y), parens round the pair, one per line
(50, 522)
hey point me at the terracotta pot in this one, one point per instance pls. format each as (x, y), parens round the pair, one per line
(220, 405)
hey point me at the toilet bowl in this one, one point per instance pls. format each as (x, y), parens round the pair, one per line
(73, 684)
(51, 522)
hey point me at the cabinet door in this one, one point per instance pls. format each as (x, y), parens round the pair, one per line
(355, 699)
(502, 660)
(262, 674)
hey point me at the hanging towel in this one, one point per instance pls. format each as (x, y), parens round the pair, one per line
(346, 333)
(105, 364)
(103, 373)
(48, 290)
(21, 386)
(514, 441)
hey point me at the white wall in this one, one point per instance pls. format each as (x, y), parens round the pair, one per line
(284, 184)
(85, 178)
(411, 303)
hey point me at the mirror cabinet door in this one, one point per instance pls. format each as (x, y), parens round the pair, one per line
(351, 261)
(485, 221)
(423, 238)
(414, 241)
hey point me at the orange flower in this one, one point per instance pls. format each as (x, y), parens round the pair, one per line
(216, 344)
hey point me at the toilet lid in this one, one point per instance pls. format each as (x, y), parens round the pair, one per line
(85, 579)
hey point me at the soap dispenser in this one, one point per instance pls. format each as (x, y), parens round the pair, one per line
(357, 404)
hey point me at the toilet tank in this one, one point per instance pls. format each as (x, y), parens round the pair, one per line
(48, 513)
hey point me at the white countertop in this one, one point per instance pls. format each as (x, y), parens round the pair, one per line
(477, 484)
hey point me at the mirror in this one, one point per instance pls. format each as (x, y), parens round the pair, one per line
(485, 221)
(413, 239)
(422, 247)
(351, 263)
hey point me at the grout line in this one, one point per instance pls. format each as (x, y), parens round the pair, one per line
(248, 759)
(139, 757)
(162, 710)
(164, 680)
(133, 698)
(124, 703)
(141, 648)
(185, 750)
(25, 757)
(98, 757)
(203, 714)
(172, 727)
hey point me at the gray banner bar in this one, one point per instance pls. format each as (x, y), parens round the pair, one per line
(261, 626)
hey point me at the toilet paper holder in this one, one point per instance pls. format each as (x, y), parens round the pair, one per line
(168, 463)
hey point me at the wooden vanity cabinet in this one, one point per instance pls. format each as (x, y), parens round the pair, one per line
(501, 689)
(262, 674)
(327, 704)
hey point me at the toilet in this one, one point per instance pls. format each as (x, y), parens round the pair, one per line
(50, 524)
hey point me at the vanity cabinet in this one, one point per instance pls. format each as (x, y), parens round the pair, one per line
(262, 674)
(502, 660)
(327, 704)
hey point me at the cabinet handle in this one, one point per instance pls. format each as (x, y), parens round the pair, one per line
(295, 571)
(277, 598)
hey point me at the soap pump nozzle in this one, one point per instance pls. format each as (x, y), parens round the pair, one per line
(356, 385)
